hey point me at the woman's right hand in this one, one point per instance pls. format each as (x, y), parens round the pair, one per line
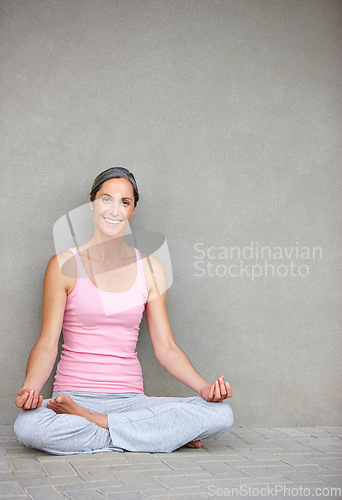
(28, 399)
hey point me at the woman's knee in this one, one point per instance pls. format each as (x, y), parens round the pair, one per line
(222, 413)
(25, 427)
(226, 415)
(32, 427)
(45, 430)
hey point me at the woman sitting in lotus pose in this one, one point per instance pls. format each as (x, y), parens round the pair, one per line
(98, 401)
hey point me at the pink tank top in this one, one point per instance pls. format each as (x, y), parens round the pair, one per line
(100, 332)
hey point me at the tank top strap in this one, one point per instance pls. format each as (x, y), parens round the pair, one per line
(79, 265)
(141, 280)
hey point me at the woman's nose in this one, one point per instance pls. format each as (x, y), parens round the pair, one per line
(114, 208)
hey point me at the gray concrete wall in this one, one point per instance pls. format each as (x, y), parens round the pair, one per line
(229, 115)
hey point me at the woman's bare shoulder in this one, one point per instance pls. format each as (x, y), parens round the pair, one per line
(66, 264)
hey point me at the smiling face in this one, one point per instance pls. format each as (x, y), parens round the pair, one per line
(113, 205)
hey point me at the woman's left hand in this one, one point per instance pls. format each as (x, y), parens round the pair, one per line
(216, 392)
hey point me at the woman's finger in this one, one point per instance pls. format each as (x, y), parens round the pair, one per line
(29, 400)
(221, 398)
(23, 399)
(27, 405)
(222, 388)
(229, 390)
(20, 400)
(34, 400)
(40, 401)
(217, 391)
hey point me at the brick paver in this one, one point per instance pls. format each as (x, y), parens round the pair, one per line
(243, 457)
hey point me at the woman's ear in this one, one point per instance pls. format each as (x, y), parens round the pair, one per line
(91, 204)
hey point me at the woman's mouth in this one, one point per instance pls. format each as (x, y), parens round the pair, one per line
(112, 222)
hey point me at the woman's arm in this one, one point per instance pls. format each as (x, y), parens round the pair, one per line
(170, 356)
(43, 354)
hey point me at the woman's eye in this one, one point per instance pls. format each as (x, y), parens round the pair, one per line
(108, 199)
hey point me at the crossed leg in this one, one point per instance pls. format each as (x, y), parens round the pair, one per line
(132, 422)
(63, 403)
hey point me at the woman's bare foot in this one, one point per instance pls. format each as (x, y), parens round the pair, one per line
(194, 444)
(65, 404)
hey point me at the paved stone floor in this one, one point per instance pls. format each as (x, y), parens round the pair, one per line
(244, 462)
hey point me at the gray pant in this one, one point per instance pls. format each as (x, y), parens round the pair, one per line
(136, 422)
